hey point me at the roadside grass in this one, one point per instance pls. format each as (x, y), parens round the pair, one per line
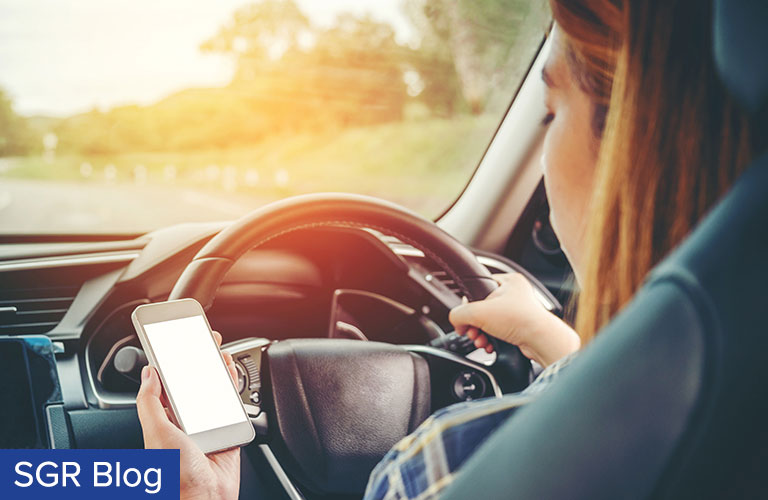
(423, 164)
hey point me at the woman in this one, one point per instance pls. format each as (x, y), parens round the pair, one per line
(642, 140)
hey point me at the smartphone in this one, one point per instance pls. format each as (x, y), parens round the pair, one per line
(179, 344)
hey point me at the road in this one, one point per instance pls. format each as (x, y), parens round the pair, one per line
(36, 206)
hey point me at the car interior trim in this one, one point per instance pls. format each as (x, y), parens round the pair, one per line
(440, 353)
(110, 356)
(68, 261)
(104, 401)
(290, 489)
(71, 381)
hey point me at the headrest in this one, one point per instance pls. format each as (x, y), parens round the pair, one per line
(741, 50)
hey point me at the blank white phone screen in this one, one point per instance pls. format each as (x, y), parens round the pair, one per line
(195, 375)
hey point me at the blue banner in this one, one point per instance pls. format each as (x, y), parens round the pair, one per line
(84, 474)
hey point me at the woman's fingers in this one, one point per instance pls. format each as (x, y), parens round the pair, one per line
(152, 414)
(472, 333)
(233, 373)
(230, 365)
(164, 399)
(468, 318)
(227, 358)
(473, 314)
(481, 341)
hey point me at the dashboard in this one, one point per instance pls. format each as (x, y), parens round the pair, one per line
(70, 304)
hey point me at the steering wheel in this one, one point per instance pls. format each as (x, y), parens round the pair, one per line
(334, 407)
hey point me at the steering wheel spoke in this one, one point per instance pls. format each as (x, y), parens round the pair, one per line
(331, 408)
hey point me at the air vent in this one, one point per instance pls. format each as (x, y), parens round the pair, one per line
(397, 245)
(447, 281)
(28, 311)
(408, 251)
(494, 266)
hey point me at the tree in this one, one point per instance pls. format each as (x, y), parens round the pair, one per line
(479, 37)
(259, 32)
(433, 60)
(16, 136)
(301, 76)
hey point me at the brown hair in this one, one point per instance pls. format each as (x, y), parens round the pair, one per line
(673, 141)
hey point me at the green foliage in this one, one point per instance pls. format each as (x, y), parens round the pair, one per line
(16, 135)
(190, 120)
(257, 27)
(429, 165)
(343, 108)
(291, 77)
(480, 40)
(304, 77)
(296, 78)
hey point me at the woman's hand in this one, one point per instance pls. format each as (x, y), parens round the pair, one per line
(216, 475)
(513, 313)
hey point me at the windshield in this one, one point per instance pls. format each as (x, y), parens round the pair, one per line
(129, 115)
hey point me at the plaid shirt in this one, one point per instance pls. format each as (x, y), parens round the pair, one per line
(424, 463)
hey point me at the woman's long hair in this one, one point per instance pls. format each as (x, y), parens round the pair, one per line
(673, 141)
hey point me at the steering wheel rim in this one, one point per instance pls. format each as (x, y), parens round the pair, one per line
(201, 278)
(203, 275)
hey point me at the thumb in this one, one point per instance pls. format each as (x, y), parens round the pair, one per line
(154, 420)
(468, 315)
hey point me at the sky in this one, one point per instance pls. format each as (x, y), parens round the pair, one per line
(61, 57)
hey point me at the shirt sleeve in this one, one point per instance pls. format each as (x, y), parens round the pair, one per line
(424, 463)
